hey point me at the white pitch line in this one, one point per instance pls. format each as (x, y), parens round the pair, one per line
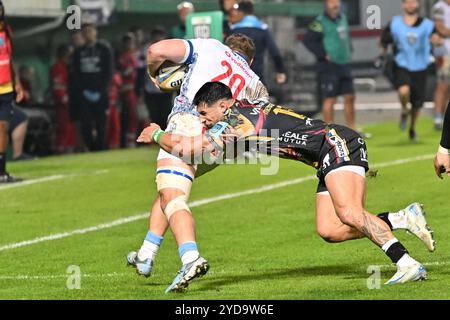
(62, 276)
(47, 179)
(193, 205)
(123, 274)
(371, 106)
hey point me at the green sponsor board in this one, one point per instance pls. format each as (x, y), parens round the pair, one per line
(205, 25)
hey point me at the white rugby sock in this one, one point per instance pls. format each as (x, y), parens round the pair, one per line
(398, 220)
(405, 261)
(190, 256)
(148, 251)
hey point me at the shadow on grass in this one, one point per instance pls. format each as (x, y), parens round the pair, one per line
(347, 271)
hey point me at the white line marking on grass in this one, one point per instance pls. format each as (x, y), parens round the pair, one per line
(372, 106)
(194, 204)
(47, 179)
(62, 276)
(127, 274)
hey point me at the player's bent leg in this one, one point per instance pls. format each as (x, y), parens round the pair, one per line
(144, 258)
(347, 191)
(329, 226)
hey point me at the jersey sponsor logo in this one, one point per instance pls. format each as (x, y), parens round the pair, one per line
(294, 138)
(339, 146)
(364, 155)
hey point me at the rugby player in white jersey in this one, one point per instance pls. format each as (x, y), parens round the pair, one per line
(208, 60)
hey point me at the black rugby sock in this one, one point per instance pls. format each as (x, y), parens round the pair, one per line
(384, 216)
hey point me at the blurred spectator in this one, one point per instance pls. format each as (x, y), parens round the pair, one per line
(77, 41)
(179, 31)
(226, 6)
(59, 78)
(127, 66)
(18, 132)
(411, 36)
(26, 76)
(159, 103)
(9, 84)
(245, 22)
(113, 124)
(92, 74)
(141, 58)
(441, 17)
(328, 38)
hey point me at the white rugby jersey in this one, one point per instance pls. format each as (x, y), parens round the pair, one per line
(441, 11)
(210, 60)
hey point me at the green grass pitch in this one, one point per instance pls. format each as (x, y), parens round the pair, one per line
(259, 246)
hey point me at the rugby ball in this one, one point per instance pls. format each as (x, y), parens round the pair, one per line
(170, 76)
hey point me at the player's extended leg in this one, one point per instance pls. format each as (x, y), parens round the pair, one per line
(333, 230)
(328, 225)
(347, 190)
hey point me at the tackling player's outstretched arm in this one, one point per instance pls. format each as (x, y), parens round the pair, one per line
(184, 146)
(174, 50)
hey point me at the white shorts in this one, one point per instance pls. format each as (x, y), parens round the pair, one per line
(355, 169)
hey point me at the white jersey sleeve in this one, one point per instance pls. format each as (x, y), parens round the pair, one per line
(210, 60)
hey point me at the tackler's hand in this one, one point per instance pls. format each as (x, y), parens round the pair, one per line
(146, 135)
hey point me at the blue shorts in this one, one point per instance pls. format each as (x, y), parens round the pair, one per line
(336, 80)
(6, 107)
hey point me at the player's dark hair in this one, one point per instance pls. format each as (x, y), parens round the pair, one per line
(246, 6)
(211, 92)
(242, 44)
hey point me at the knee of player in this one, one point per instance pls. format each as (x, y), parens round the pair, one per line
(350, 215)
(326, 235)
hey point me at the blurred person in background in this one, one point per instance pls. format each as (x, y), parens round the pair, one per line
(18, 132)
(179, 31)
(441, 17)
(26, 76)
(226, 6)
(76, 41)
(244, 21)
(328, 38)
(59, 81)
(127, 66)
(141, 58)
(442, 159)
(10, 90)
(411, 36)
(159, 104)
(113, 126)
(92, 75)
